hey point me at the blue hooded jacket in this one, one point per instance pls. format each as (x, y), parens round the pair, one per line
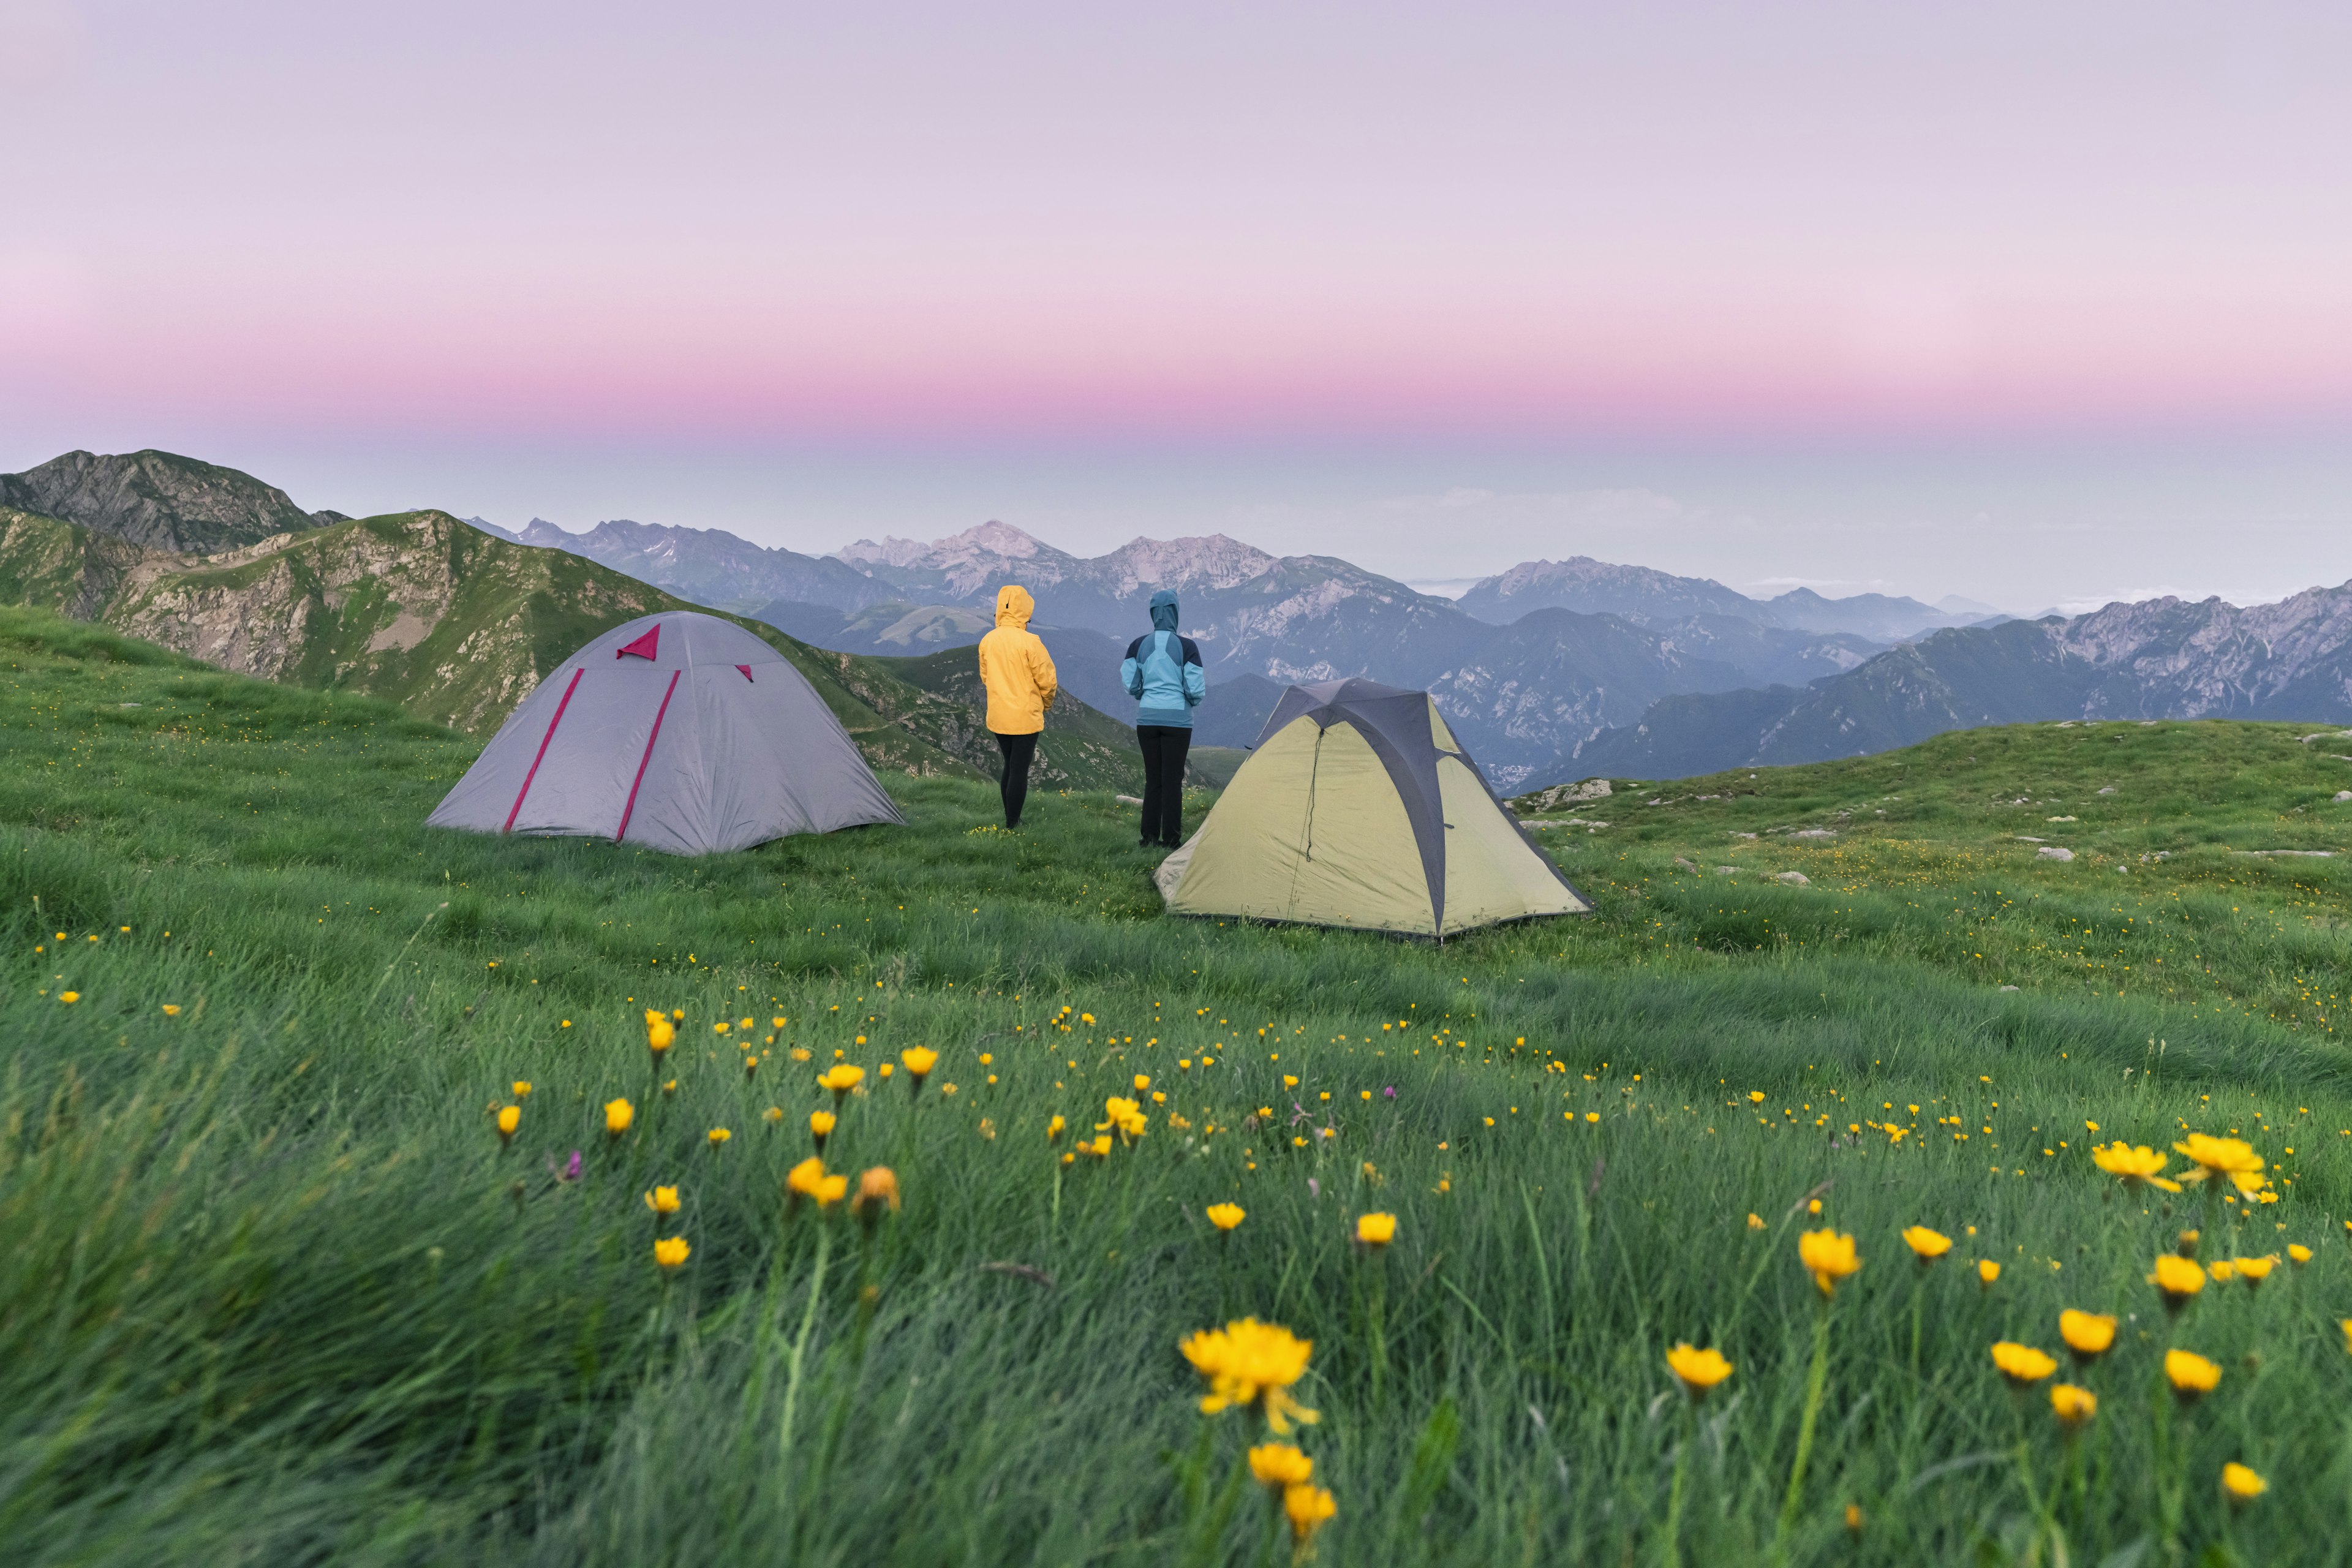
(1163, 671)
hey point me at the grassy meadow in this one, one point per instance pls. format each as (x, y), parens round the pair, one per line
(278, 1290)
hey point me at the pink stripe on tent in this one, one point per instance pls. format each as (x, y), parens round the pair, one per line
(623, 831)
(646, 647)
(543, 740)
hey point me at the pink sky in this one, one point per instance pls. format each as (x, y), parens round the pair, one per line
(1062, 218)
(1077, 223)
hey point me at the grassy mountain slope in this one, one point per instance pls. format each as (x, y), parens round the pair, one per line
(276, 1291)
(2176, 831)
(455, 625)
(1081, 747)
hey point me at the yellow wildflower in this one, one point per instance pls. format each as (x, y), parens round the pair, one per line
(803, 1179)
(1280, 1465)
(841, 1077)
(2131, 1165)
(2230, 1157)
(2192, 1376)
(2254, 1270)
(1987, 1273)
(2072, 1406)
(2179, 1278)
(2023, 1364)
(2241, 1485)
(1929, 1245)
(2088, 1335)
(662, 1200)
(1225, 1217)
(1308, 1508)
(68, 997)
(1697, 1369)
(1053, 1129)
(2298, 1254)
(831, 1190)
(876, 1188)
(821, 1126)
(1251, 1363)
(1829, 1258)
(618, 1114)
(918, 1061)
(1755, 1221)
(720, 1135)
(522, 1090)
(510, 1117)
(670, 1252)
(171, 1009)
(1375, 1230)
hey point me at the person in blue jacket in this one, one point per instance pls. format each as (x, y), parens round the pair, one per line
(1162, 673)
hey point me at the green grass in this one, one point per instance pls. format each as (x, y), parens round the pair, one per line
(275, 1293)
(1935, 856)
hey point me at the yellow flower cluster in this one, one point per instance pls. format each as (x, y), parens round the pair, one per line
(1250, 1363)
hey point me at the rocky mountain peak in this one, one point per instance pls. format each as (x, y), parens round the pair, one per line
(1212, 561)
(158, 500)
(888, 550)
(1640, 593)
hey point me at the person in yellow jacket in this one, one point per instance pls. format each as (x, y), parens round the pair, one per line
(1019, 675)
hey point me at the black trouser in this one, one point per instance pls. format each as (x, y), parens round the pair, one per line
(1163, 780)
(1018, 752)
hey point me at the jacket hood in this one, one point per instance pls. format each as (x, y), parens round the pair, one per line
(1163, 611)
(1014, 607)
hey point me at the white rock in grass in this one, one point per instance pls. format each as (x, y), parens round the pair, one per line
(2051, 852)
(2343, 794)
(1794, 879)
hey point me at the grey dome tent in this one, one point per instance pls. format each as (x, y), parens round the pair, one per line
(677, 731)
(1358, 808)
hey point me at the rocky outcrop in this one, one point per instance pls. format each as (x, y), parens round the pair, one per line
(157, 501)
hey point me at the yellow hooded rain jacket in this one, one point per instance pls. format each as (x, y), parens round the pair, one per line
(1015, 667)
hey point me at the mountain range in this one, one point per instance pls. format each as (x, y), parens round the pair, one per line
(1551, 671)
(454, 624)
(2160, 659)
(1555, 653)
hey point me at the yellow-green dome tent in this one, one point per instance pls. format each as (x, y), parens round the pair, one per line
(1357, 808)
